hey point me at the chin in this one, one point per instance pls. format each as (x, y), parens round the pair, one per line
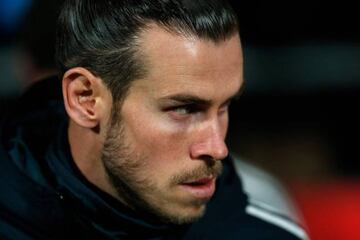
(186, 216)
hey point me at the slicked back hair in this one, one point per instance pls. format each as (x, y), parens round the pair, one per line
(103, 35)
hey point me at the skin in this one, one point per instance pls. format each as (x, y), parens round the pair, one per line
(171, 130)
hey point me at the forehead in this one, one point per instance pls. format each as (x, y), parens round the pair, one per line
(177, 62)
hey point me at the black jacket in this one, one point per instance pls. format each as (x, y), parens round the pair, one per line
(44, 196)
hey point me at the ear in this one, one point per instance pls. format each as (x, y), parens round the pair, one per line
(85, 97)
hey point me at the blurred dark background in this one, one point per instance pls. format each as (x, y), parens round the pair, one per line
(297, 116)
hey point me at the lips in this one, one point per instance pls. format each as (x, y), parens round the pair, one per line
(202, 188)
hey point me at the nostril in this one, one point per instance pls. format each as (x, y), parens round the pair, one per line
(209, 160)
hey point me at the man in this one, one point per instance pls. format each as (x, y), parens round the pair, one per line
(135, 150)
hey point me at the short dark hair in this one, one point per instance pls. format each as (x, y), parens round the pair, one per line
(101, 35)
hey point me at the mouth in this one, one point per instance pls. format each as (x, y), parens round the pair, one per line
(203, 188)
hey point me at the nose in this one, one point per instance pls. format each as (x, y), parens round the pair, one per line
(212, 143)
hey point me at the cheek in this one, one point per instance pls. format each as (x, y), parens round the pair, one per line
(161, 143)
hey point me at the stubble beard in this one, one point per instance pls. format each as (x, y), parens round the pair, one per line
(124, 167)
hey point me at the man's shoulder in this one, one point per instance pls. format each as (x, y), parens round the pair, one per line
(251, 226)
(26, 207)
(263, 223)
(268, 206)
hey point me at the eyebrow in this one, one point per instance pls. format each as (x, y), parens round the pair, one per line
(188, 99)
(193, 99)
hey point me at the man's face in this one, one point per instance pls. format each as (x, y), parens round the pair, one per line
(163, 155)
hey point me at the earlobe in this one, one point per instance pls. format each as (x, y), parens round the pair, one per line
(81, 92)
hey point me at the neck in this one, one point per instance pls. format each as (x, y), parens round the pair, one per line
(86, 146)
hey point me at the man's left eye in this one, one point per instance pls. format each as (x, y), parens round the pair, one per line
(183, 110)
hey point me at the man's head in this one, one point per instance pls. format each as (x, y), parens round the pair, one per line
(103, 36)
(147, 86)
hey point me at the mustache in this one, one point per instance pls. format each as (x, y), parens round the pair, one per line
(198, 173)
